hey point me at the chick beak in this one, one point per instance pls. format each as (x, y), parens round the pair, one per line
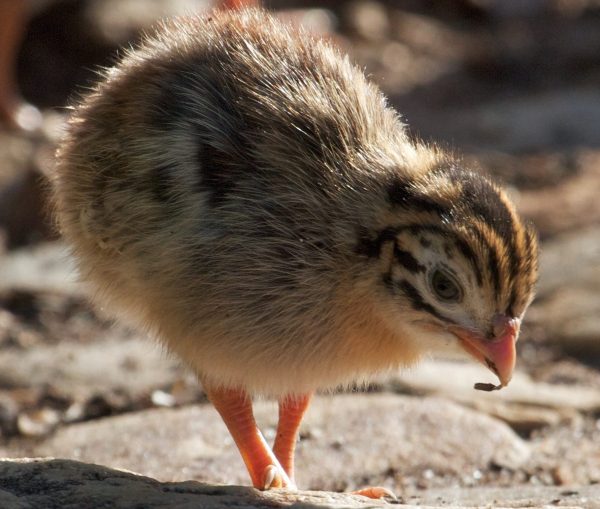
(498, 353)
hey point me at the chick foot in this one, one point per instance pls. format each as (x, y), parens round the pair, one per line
(275, 477)
(235, 407)
(375, 492)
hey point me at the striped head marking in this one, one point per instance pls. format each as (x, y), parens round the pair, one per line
(456, 260)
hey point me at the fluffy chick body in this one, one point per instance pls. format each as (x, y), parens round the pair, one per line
(229, 186)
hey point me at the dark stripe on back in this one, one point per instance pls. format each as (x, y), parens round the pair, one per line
(160, 183)
(218, 173)
(193, 93)
(324, 137)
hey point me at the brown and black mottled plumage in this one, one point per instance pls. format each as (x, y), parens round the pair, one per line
(242, 191)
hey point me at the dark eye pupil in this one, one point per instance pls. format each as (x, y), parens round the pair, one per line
(444, 287)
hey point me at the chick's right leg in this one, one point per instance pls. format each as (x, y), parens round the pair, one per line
(235, 407)
(291, 411)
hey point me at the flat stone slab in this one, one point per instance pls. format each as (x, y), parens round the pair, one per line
(348, 441)
(60, 484)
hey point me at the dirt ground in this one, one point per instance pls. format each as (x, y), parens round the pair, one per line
(514, 85)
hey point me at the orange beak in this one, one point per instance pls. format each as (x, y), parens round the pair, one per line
(498, 353)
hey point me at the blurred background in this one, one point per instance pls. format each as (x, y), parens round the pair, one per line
(512, 84)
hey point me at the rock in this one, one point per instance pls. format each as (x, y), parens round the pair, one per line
(531, 173)
(522, 496)
(568, 118)
(567, 309)
(16, 154)
(580, 246)
(458, 379)
(38, 423)
(568, 371)
(571, 319)
(558, 120)
(56, 484)
(570, 453)
(23, 209)
(47, 267)
(523, 418)
(576, 197)
(109, 364)
(349, 441)
(48, 385)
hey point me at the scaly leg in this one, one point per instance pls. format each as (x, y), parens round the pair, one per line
(291, 411)
(235, 407)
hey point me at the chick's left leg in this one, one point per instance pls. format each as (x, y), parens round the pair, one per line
(291, 411)
(235, 407)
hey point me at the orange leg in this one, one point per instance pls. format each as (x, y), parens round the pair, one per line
(235, 407)
(238, 4)
(291, 411)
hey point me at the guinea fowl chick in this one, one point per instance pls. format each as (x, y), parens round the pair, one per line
(241, 190)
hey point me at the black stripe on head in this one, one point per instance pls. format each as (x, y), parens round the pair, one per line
(511, 302)
(462, 245)
(407, 260)
(416, 229)
(493, 262)
(402, 193)
(531, 250)
(371, 247)
(465, 249)
(483, 200)
(481, 197)
(417, 301)
(523, 284)
(494, 268)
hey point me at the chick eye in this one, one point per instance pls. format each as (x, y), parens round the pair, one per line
(445, 287)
